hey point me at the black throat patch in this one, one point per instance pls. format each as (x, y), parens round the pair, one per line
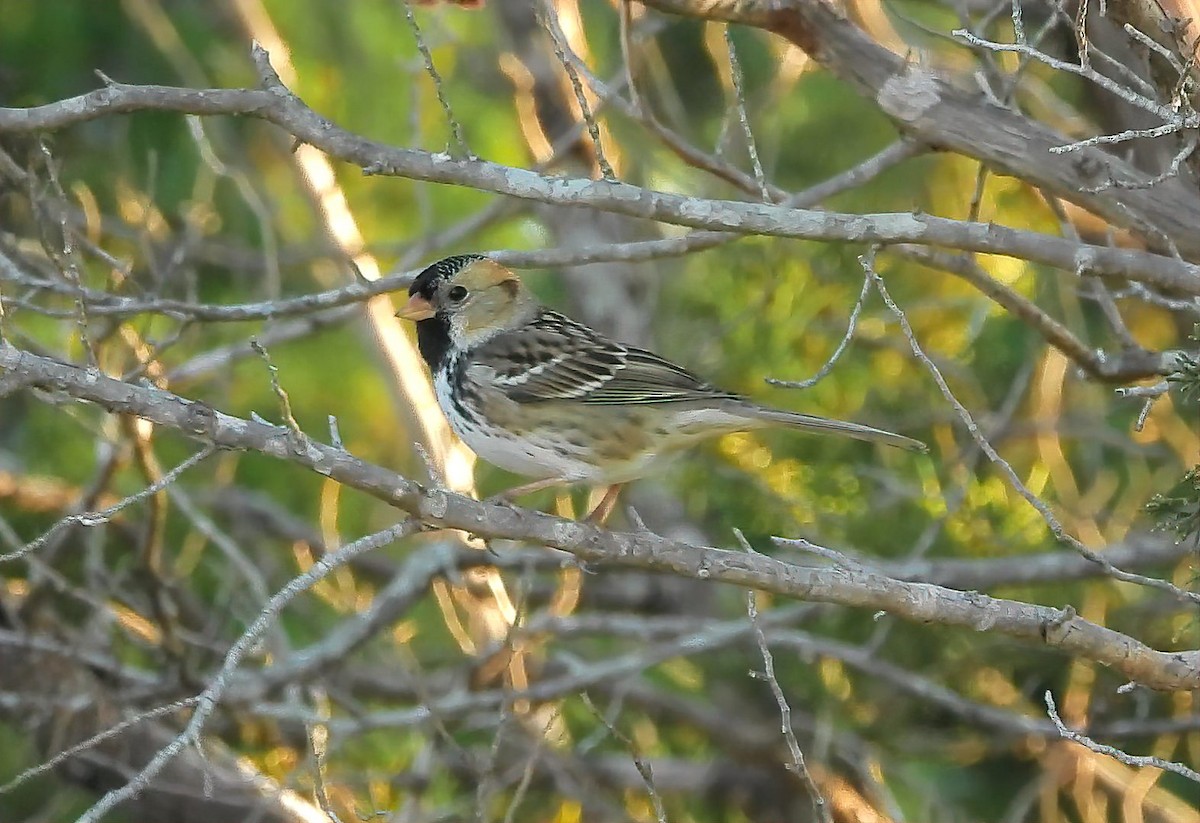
(433, 339)
(433, 334)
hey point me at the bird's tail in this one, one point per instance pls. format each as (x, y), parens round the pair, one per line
(824, 425)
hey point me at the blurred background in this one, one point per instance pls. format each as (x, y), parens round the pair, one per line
(648, 705)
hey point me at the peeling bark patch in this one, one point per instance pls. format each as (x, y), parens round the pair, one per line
(1085, 261)
(908, 96)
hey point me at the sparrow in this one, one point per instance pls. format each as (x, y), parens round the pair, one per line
(544, 396)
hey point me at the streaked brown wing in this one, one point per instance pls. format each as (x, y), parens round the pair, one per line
(556, 358)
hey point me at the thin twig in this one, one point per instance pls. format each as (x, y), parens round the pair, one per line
(285, 403)
(254, 200)
(561, 47)
(739, 101)
(797, 765)
(639, 762)
(1152, 44)
(1151, 394)
(208, 700)
(67, 263)
(96, 518)
(318, 741)
(1126, 136)
(456, 128)
(95, 740)
(1056, 527)
(827, 367)
(1137, 761)
(1185, 151)
(1124, 92)
(519, 793)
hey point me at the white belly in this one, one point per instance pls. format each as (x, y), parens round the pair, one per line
(531, 455)
(539, 455)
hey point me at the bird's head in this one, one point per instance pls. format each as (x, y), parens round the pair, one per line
(463, 300)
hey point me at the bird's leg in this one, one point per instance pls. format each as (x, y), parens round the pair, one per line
(523, 489)
(605, 507)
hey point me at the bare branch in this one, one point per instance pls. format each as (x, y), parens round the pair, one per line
(208, 700)
(1010, 474)
(291, 114)
(1174, 122)
(561, 48)
(95, 518)
(838, 351)
(797, 765)
(1127, 365)
(456, 128)
(440, 508)
(739, 101)
(934, 109)
(1113, 752)
(95, 740)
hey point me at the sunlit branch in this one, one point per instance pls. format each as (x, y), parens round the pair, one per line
(1061, 629)
(290, 113)
(933, 108)
(208, 700)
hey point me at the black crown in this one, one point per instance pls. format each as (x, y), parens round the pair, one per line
(447, 267)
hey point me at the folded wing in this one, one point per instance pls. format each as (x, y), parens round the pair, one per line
(556, 358)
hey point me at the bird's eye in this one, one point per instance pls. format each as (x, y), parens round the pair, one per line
(457, 294)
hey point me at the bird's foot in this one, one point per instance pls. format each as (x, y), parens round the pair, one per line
(604, 509)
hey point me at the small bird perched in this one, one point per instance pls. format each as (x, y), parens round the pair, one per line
(542, 395)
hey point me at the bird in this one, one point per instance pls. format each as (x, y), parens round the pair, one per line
(544, 396)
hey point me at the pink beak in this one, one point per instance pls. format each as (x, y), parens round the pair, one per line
(417, 308)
